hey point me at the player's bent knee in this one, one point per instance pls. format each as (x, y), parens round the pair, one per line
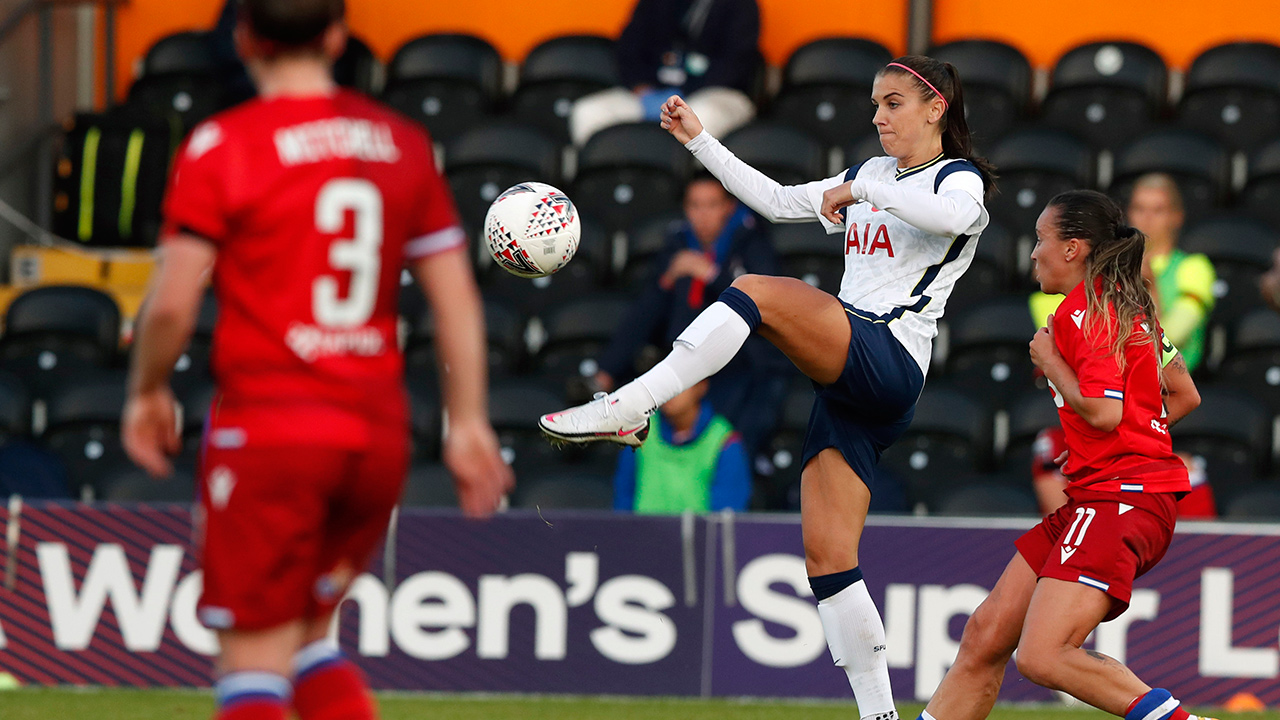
(755, 286)
(1038, 665)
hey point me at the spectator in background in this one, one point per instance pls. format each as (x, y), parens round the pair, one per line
(719, 240)
(703, 50)
(1049, 482)
(1182, 282)
(693, 460)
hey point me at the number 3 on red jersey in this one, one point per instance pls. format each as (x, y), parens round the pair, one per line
(360, 255)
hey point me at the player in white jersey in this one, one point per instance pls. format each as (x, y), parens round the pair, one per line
(910, 222)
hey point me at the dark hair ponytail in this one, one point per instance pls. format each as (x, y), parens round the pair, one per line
(957, 141)
(1113, 269)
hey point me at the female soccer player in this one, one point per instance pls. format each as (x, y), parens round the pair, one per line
(911, 221)
(1101, 354)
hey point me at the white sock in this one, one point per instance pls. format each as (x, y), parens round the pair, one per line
(706, 346)
(855, 635)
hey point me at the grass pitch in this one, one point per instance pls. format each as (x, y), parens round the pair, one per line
(111, 704)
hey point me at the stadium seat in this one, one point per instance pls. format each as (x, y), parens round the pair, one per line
(514, 409)
(1197, 163)
(15, 407)
(1261, 502)
(826, 88)
(807, 252)
(504, 331)
(1106, 92)
(429, 485)
(1029, 413)
(55, 330)
(1233, 93)
(629, 172)
(558, 72)
(578, 330)
(1241, 249)
(182, 77)
(863, 148)
(777, 485)
(192, 368)
(450, 83)
(586, 274)
(126, 482)
(992, 271)
(988, 349)
(785, 154)
(426, 418)
(563, 491)
(1252, 361)
(645, 240)
(358, 68)
(1034, 165)
(482, 163)
(83, 425)
(1261, 194)
(1231, 432)
(982, 498)
(997, 85)
(950, 436)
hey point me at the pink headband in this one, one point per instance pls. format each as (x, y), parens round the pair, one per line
(928, 84)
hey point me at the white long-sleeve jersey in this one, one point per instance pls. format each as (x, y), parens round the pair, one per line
(905, 244)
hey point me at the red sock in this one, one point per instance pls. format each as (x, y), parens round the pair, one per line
(254, 710)
(334, 690)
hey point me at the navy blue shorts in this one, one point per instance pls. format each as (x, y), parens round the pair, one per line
(869, 407)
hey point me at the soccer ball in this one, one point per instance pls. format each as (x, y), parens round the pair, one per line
(532, 230)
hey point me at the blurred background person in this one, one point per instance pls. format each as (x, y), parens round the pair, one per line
(704, 50)
(1182, 282)
(719, 240)
(692, 460)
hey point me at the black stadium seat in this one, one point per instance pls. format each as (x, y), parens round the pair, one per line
(1261, 194)
(628, 172)
(15, 407)
(1241, 249)
(560, 490)
(482, 163)
(447, 82)
(1106, 92)
(577, 331)
(54, 331)
(1261, 502)
(504, 330)
(182, 77)
(645, 241)
(1252, 361)
(950, 436)
(83, 425)
(991, 272)
(558, 72)
(183, 52)
(778, 486)
(1029, 413)
(983, 497)
(358, 68)
(807, 252)
(1034, 165)
(785, 154)
(863, 148)
(1196, 162)
(1233, 93)
(1231, 432)
(429, 485)
(126, 482)
(988, 348)
(826, 88)
(997, 85)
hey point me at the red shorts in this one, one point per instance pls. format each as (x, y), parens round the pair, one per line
(286, 529)
(1104, 540)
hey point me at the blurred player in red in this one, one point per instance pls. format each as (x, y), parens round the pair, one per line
(1101, 353)
(306, 204)
(1050, 484)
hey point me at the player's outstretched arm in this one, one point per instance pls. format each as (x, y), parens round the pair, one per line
(168, 317)
(1180, 393)
(471, 450)
(774, 201)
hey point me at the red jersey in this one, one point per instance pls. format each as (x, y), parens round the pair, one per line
(314, 205)
(1137, 455)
